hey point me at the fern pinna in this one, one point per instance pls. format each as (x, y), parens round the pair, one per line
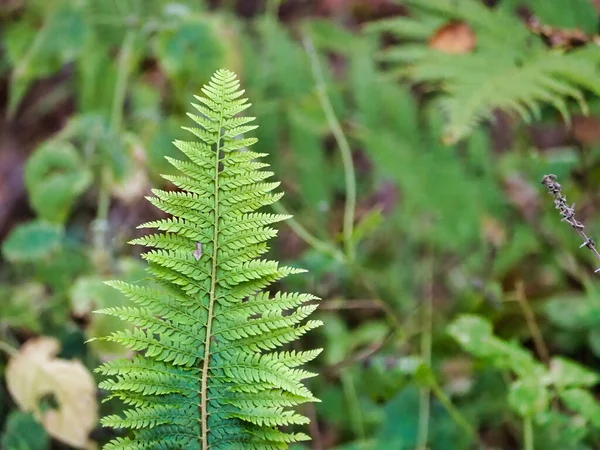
(206, 374)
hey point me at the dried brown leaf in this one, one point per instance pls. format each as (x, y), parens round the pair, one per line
(34, 373)
(453, 37)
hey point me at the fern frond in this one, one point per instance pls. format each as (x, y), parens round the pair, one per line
(508, 70)
(206, 374)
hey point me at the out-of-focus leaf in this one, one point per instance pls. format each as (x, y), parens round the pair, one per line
(584, 311)
(34, 374)
(95, 78)
(159, 145)
(584, 403)
(32, 241)
(367, 225)
(368, 333)
(337, 340)
(306, 139)
(560, 13)
(528, 397)
(21, 306)
(327, 35)
(564, 373)
(559, 430)
(475, 335)
(594, 341)
(189, 52)
(55, 176)
(22, 432)
(37, 53)
(89, 293)
(401, 422)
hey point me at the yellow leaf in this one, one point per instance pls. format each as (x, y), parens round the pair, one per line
(34, 373)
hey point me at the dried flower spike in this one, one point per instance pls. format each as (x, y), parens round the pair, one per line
(568, 212)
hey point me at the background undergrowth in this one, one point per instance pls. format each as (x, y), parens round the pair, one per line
(411, 138)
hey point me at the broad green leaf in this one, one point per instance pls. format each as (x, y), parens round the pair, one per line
(475, 335)
(584, 403)
(189, 52)
(21, 306)
(32, 241)
(22, 432)
(34, 373)
(564, 373)
(327, 35)
(594, 341)
(90, 293)
(528, 397)
(36, 53)
(307, 134)
(584, 311)
(55, 177)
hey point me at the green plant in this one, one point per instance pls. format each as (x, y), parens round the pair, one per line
(508, 69)
(535, 386)
(208, 376)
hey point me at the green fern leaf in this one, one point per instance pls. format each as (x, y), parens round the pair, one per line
(508, 69)
(207, 373)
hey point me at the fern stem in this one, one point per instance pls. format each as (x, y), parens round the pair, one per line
(527, 433)
(342, 141)
(308, 237)
(211, 301)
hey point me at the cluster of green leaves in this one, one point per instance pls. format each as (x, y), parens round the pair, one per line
(536, 386)
(508, 69)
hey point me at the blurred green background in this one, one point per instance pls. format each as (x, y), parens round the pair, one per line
(410, 138)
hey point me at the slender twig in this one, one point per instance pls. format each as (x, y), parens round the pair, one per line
(315, 432)
(425, 391)
(354, 409)
(7, 348)
(341, 304)
(568, 213)
(307, 236)
(527, 433)
(452, 410)
(342, 141)
(538, 340)
(123, 68)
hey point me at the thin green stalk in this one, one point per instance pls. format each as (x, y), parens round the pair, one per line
(7, 348)
(123, 68)
(308, 237)
(527, 433)
(354, 411)
(272, 8)
(425, 392)
(342, 141)
(452, 410)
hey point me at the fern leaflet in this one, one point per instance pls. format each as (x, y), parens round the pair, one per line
(206, 374)
(509, 69)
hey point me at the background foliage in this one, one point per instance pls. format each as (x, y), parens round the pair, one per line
(410, 137)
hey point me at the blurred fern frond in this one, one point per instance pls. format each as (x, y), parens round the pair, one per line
(509, 68)
(208, 375)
